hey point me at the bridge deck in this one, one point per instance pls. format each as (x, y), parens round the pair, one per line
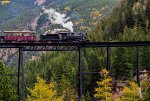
(43, 46)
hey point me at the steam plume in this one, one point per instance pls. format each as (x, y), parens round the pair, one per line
(58, 18)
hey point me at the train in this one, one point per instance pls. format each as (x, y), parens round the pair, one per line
(30, 36)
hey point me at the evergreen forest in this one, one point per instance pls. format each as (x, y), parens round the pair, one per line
(53, 75)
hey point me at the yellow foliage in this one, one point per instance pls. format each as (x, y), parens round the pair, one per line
(43, 92)
(103, 91)
(104, 73)
(66, 9)
(3, 2)
(85, 28)
(104, 87)
(96, 14)
(131, 93)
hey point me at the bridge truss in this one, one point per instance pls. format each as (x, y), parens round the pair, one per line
(36, 46)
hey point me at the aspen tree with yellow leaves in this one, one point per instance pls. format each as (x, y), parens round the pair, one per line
(131, 93)
(3, 2)
(66, 9)
(43, 91)
(103, 91)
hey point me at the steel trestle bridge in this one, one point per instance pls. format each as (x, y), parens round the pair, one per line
(77, 46)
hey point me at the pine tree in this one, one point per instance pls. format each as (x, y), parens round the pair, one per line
(93, 62)
(122, 67)
(103, 91)
(145, 58)
(67, 90)
(7, 91)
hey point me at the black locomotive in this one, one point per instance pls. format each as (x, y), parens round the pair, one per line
(64, 37)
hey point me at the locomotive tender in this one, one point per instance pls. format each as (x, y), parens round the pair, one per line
(30, 36)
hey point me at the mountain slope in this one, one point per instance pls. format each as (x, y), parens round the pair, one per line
(23, 10)
(19, 14)
(15, 7)
(122, 21)
(132, 14)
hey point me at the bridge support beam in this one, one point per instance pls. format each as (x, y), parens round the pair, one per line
(138, 66)
(80, 75)
(108, 61)
(20, 66)
(18, 75)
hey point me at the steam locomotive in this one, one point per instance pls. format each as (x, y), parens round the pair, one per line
(30, 36)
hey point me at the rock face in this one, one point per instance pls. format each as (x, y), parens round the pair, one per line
(39, 2)
(144, 75)
(6, 53)
(34, 23)
(10, 56)
(118, 87)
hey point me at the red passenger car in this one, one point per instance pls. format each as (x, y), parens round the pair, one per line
(19, 36)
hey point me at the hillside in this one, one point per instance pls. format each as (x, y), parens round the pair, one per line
(122, 24)
(129, 21)
(23, 10)
(134, 14)
(14, 8)
(18, 14)
(81, 12)
(19, 9)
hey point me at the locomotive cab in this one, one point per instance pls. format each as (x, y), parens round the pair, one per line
(77, 37)
(64, 36)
